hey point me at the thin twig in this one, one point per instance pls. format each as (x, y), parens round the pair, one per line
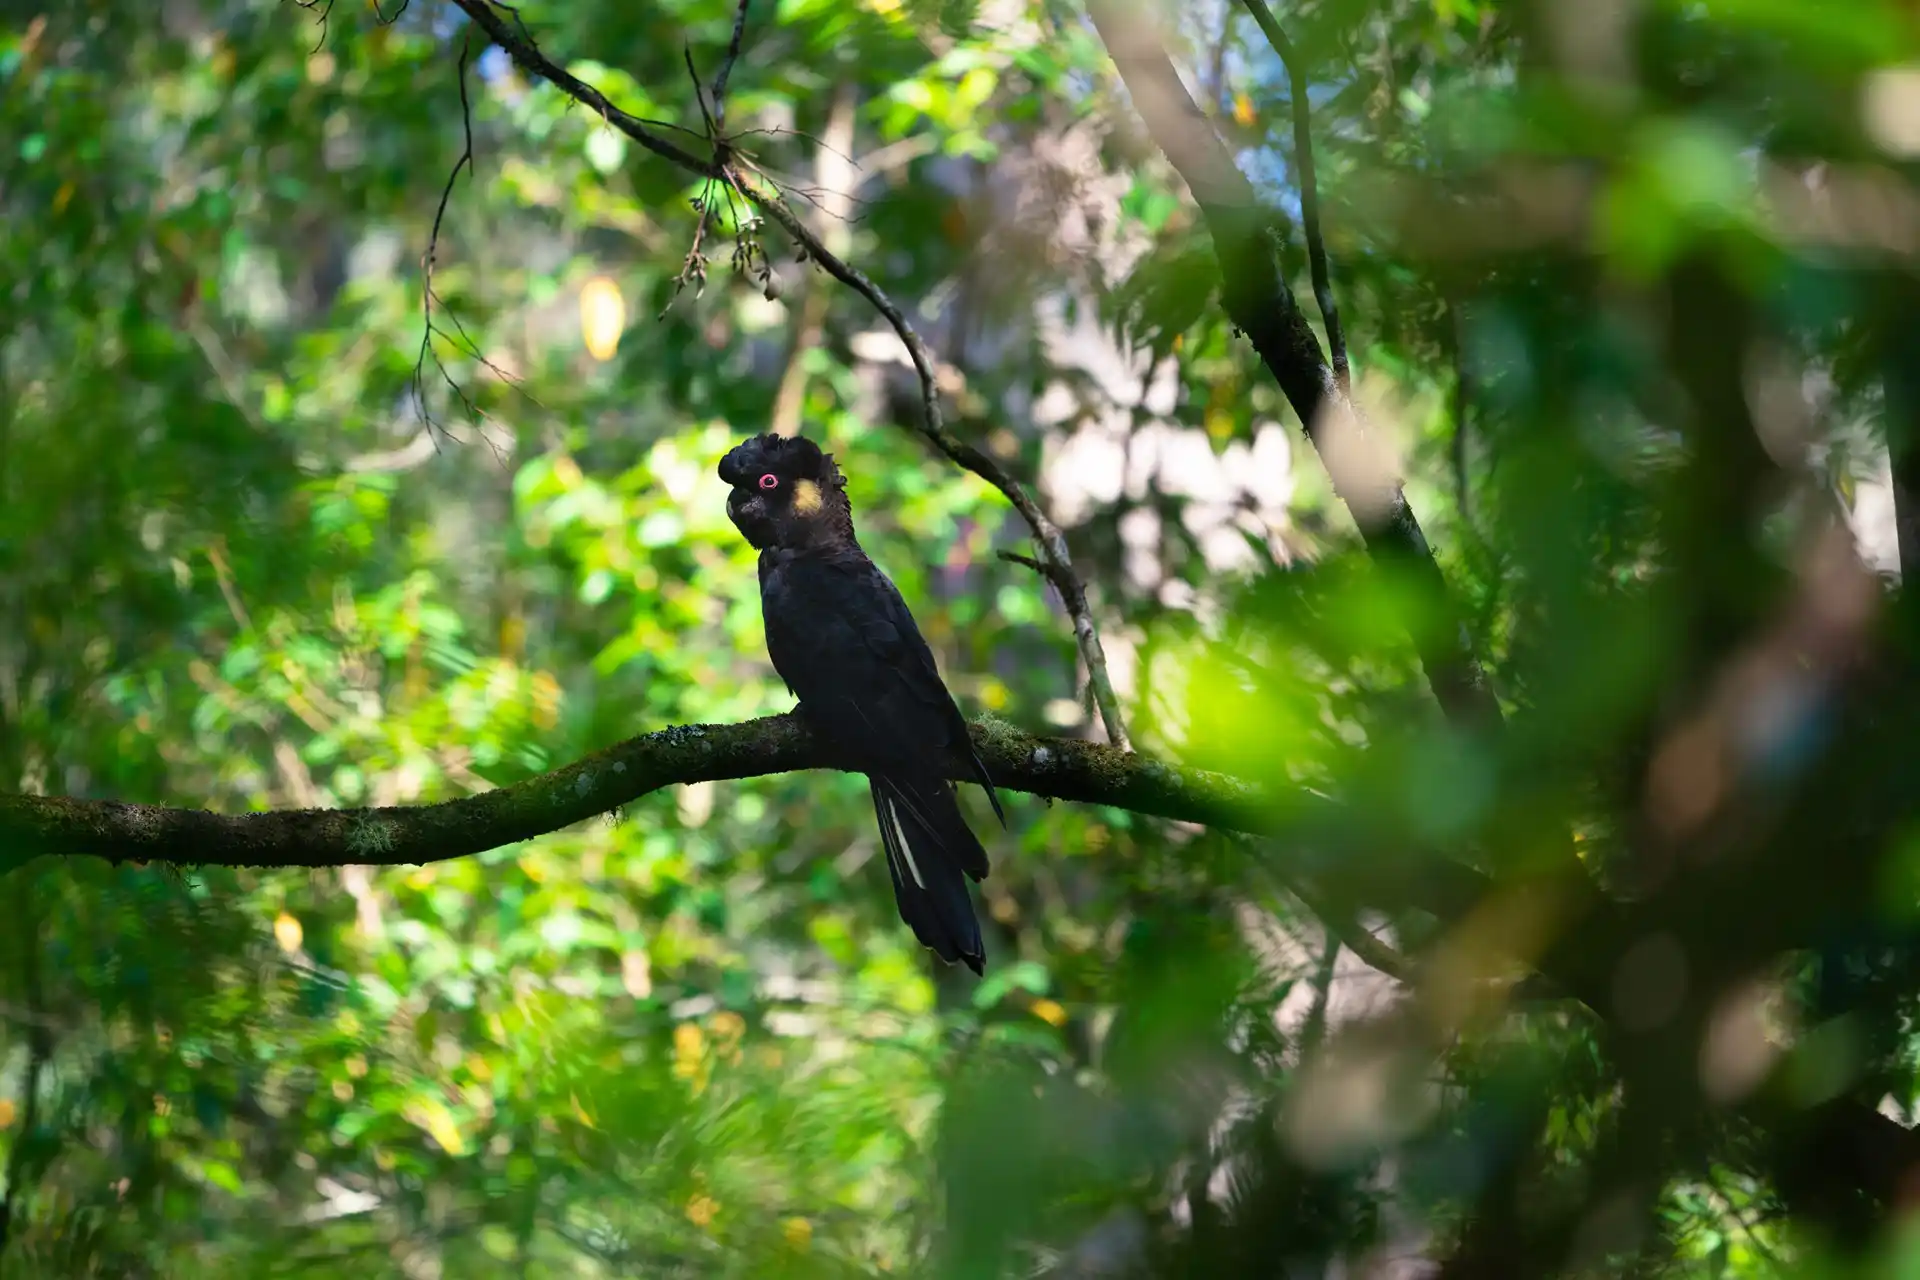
(461, 340)
(1363, 942)
(528, 58)
(700, 100)
(1340, 924)
(833, 171)
(1309, 188)
(1052, 543)
(726, 66)
(694, 266)
(465, 162)
(1315, 1028)
(322, 11)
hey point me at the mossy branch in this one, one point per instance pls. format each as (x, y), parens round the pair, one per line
(1058, 768)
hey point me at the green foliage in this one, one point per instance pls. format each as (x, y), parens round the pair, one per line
(285, 524)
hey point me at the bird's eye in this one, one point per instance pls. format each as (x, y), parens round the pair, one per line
(769, 481)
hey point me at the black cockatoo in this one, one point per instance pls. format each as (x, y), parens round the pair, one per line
(841, 637)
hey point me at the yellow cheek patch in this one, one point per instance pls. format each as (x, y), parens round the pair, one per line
(806, 497)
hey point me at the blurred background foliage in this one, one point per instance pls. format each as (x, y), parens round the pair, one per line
(261, 545)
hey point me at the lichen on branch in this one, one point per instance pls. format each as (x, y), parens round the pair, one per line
(1319, 831)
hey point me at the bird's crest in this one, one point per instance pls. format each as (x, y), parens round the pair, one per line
(792, 458)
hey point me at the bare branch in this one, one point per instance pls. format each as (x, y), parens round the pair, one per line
(322, 11)
(1309, 188)
(1315, 1028)
(1259, 302)
(487, 16)
(833, 174)
(1336, 917)
(464, 163)
(1360, 940)
(726, 66)
(1052, 543)
(422, 446)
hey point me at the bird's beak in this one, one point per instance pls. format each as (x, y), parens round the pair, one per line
(748, 511)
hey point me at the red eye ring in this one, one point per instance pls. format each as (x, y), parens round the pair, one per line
(769, 481)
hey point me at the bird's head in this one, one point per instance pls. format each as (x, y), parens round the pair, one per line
(785, 493)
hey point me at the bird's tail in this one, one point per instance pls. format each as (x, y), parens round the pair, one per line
(930, 852)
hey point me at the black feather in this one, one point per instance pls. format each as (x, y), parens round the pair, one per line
(845, 643)
(925, 859)
(791, 456)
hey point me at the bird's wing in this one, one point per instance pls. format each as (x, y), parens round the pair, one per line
(917, 658)
(843, 639)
